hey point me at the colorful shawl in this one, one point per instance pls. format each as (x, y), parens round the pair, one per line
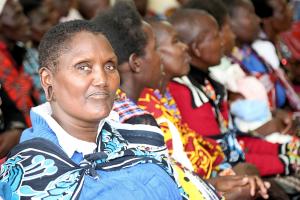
(204, 155)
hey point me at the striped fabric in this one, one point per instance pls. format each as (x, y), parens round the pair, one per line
(126, 108)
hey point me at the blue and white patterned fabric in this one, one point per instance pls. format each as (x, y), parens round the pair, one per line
(39, 168)
(34, 170)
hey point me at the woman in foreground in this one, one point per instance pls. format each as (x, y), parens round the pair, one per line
(73, 150)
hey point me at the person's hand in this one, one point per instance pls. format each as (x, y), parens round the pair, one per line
(242, 192)
(227, 183)
(276, 124)
(255, 182)
(8, 140)
(241, 187)
(237, 193)
(258, 186)
(285, 120)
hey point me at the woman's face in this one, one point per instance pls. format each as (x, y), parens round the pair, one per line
(245, 23)
(174, 53)
(86, 79)
(210, 43)
(282, 15)
(151, 61)
(228, 37)
(42, 19)
(14, 24)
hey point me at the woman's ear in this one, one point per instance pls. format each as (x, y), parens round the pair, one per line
(196, 49)
(135, 63)
(46, 78)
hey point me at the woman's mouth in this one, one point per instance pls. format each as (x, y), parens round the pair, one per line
(98, 95)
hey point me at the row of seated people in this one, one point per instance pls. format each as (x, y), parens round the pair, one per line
(166, 96)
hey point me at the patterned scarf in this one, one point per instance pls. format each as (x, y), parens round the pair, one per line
(126, 108)
(38, 169)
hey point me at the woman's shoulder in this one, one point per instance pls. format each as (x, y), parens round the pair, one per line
(33, 133)
(40, 128)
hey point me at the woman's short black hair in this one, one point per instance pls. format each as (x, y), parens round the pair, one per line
(262, 8)
(122, 25)
(214, 7)
(55, 41)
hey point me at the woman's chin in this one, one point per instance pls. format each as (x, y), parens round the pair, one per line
(98, 114)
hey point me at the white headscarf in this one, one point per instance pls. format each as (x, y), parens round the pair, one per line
(2, 3)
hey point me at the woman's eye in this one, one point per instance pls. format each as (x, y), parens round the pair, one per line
(110, 66)
(83, 67)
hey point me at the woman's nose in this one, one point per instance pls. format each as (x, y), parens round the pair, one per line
(99, 76)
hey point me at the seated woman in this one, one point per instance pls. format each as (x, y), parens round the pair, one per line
(276, 17)
(16, 87)
(204, 155)
(73, 149)
(280, 93)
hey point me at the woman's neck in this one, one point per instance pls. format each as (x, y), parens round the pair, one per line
(164, 83)
(83, 130)
(270, 33)
(131, 89)
(239, 43)
(199, 64)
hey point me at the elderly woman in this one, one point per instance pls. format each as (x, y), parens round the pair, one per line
(73, 150)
